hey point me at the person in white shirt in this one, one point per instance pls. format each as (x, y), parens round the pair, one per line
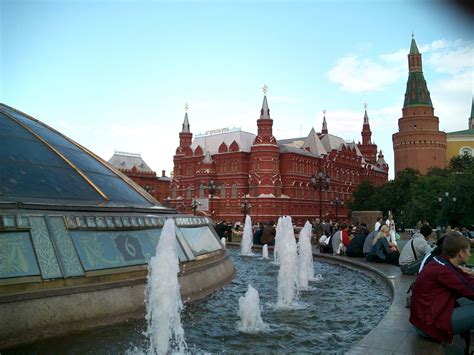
(378, 224)
(391, 225)
(414, 251)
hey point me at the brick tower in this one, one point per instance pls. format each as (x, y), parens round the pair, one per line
(367, 148)
(419, 144)
(264, 172)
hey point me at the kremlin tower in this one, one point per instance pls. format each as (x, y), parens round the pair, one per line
(419, 144)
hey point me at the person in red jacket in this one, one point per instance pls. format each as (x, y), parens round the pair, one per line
(436, 290)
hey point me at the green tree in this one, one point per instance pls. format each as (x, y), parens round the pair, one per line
(412, 197)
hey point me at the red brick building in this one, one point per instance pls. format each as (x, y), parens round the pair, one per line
(133, 166)
(274, 177)
(418, 144)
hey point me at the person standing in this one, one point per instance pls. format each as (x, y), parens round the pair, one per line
(390, 222)
(437, 289)
(318, 229)
(378, 224)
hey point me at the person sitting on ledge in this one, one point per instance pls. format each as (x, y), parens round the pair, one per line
(437, 290)
(415, 250)
(356, 246)
(384, 251)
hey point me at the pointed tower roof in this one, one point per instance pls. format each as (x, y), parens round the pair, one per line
(324, 130)
(265, 111)
(313, 143)
(472, 108)
(366, 117)
(417, 93)
(186, 124)
(381, 161)
(413, 46)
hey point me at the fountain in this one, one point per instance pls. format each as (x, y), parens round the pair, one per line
(305, 257)
(328, 323)
(223, 241)
(249, 312)
(162, 297)
(247, 243)
(287, 275)
(265, 252)
(277, 242)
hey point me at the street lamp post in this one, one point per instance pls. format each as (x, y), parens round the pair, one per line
(245, 207)
(446, 201)
(212, 190)
(337, 202)
(318, 183)
(194, 206)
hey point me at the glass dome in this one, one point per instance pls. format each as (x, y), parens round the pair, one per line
(40, 165)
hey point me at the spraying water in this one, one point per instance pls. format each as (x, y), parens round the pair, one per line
(247, 243)
(278, 232)
(265, 252)
(287, 275)
(162, 297)
(305, 257)
(223, 242)
(249, 312)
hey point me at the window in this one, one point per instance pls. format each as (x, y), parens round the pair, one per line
(200, 239)
(222, 191)
(173, 192)
(201, 191)
(234, 190)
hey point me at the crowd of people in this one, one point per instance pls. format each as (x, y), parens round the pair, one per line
(442, 301)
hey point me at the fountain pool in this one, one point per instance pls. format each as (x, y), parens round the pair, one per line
(333, 316)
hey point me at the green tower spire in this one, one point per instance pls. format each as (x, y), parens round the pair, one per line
(413, 47)
(417, 93)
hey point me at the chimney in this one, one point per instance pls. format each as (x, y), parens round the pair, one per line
(163, 173)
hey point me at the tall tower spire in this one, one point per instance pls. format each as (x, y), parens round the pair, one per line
(265, 123)
(324, 129)
(417, 91)
(185, 136)
(368, 150)
(418, 144)
(264, 164)
(366, 132)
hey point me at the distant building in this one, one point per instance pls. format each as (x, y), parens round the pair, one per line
(133, 166)
(418, 144)
(462, 142)
(274, 177)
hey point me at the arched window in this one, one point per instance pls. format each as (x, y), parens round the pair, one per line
(222, 191)
(188, 193)
(201, 191)
(234, 190)
(173, 192)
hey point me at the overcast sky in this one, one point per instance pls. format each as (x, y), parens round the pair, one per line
(115, 75)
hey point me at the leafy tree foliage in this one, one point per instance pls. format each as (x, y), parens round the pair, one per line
(412, 198)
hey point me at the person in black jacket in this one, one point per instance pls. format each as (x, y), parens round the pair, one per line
(223, 230)
(356, 246)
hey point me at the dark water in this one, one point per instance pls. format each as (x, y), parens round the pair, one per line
(331, 318)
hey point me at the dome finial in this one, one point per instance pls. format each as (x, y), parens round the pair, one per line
(265, 89)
